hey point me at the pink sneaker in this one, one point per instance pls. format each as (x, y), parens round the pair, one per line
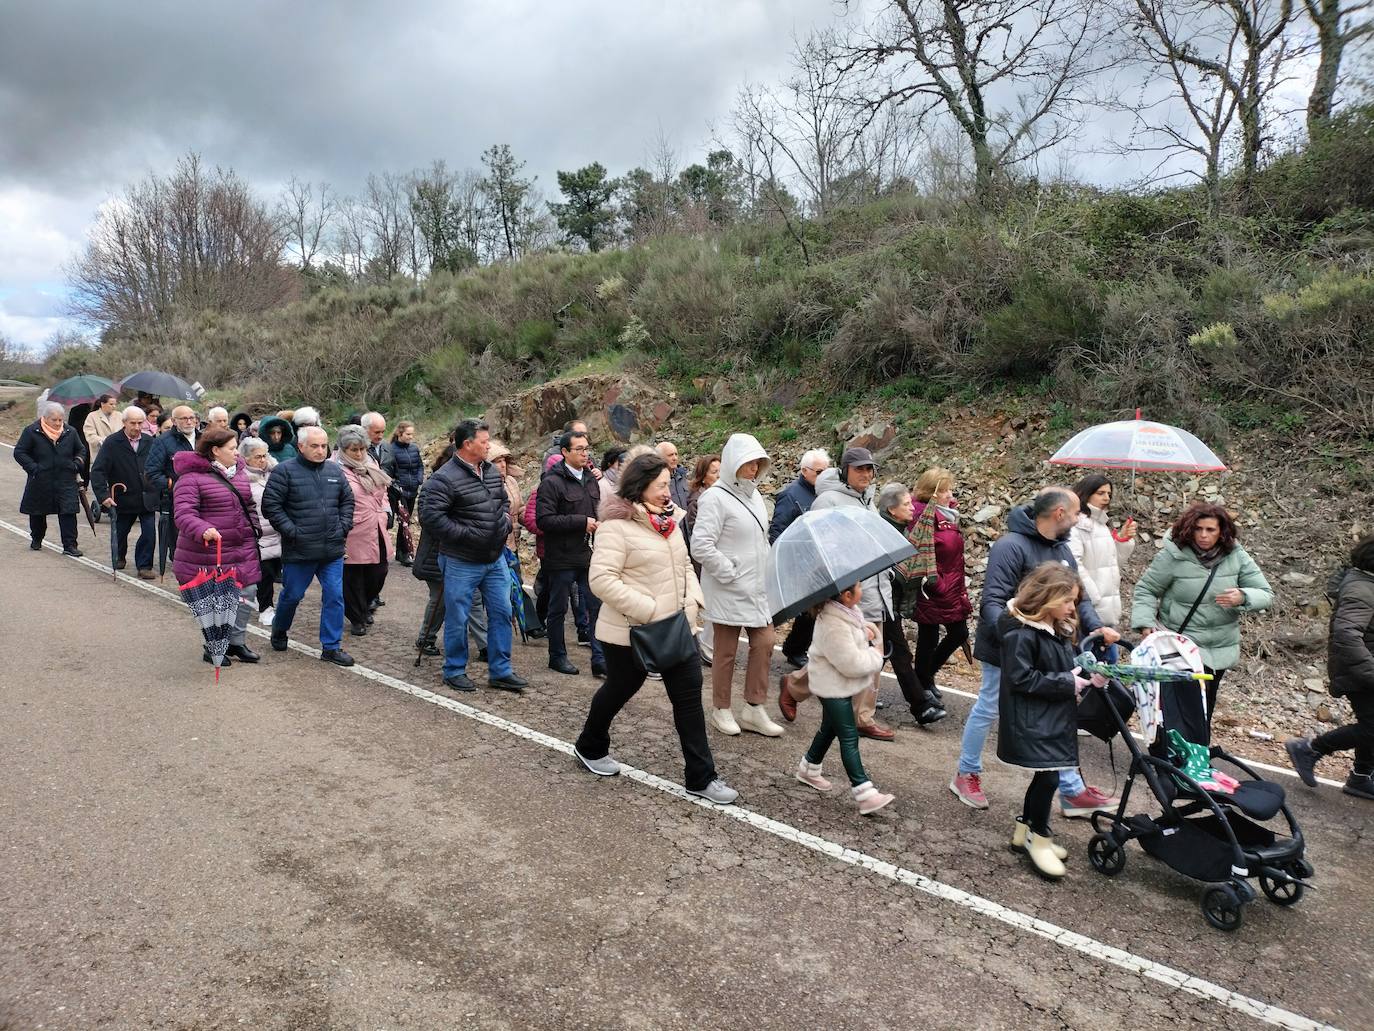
(811, 776)
(968, 788)
(1086, 802)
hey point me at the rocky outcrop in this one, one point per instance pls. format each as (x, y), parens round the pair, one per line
(621, 408)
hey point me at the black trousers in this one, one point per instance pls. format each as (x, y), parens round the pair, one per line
(361, 583)
(66, 525)
(798, 640)
(271, 575)
(933, 651)
(146, 548)
(899, 654)
(569, 587)
(1358, 735)
(1035, 811)
(624, 677)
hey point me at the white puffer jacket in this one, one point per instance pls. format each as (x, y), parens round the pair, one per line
(730, 540)
(1100, 557)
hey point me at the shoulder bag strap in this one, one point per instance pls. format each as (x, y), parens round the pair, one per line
(1198, 600)
(257, 531)
(742, 505)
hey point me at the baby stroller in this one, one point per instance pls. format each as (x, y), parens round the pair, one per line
(1212, 827)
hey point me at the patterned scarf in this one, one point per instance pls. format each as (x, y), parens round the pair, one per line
(922, 537)
(370, 475)
(660, 520)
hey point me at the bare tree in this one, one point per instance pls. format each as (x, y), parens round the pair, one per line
(1339, 24)
(1182, 110)
(386, 214)
(193, 241)
(963, 57)
(352, 237)
(475, 226)
(307, 210)
(755, 123)
(1249, 65)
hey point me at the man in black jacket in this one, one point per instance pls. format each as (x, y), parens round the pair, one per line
(51, 454)
(120, 463)
(158, 469)
(309, 502)
(565, 512)
(467, 510)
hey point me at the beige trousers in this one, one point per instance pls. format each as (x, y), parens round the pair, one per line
(724, 647)
(865, 702)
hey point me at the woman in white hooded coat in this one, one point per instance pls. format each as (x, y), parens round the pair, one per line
(730, 540)
(1101, 553)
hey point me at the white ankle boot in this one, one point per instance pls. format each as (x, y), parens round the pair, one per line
(1018, 841)
(724, 721)
(869, 798)
(1043, 857)
(755, 718)
(810, 775)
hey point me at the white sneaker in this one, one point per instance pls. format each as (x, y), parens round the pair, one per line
(724, 721)
(265, 616)
(755, 718)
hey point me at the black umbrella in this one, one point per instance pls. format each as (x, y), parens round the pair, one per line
(114, 534)
(164, 531)
(160, 384)
(85, 506)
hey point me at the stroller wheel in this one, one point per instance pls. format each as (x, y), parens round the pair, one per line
(1281, 893)
(1222, 908)
(1106, 855)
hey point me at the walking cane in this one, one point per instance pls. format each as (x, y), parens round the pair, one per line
(114, 530)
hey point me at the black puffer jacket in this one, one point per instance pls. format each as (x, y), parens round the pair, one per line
(52, 469)
(561, 510)
(468, 516)
(157, 468)
(1010, 559)
(120, 463)
(311, 505)
(425, 565)
(1350, 650)
(1037, 719)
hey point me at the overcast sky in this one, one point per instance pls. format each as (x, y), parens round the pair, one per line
(94, 95)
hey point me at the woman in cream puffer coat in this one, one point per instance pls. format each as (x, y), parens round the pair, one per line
(1101, 553)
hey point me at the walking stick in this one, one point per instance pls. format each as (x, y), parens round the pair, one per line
(114, 530)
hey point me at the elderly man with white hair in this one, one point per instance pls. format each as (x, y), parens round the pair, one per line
(120, 489)
(51, 453)
(217, 418)
(678, 487)
(798, 497)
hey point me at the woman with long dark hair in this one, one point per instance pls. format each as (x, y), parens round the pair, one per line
(1200, 584)
(641, 573)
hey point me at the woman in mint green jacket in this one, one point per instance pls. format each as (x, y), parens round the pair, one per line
(1203, 539)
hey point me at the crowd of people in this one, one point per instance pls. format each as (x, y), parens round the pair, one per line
(634, 545)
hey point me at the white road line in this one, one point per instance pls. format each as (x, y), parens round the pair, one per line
(1053, 933)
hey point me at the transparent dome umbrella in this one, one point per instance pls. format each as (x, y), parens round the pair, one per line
(822, 553)
(1139, 445)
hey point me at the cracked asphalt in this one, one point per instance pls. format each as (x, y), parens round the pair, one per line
(305, 848)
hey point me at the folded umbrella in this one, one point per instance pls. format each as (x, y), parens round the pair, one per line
(517, 594)
(114, 531)
(85, 500)
(164, 533)
(213, 595)
(823, 553)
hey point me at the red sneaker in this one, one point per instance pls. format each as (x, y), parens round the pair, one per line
(1087, 802)
(968, 788)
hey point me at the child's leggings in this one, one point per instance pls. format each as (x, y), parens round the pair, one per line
(1035, 812)
(837, 721)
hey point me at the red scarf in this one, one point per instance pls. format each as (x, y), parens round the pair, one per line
(661, 521)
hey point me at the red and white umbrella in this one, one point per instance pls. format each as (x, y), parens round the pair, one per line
(1139, 445)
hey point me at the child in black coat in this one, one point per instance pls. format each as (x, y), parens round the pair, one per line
(1038, 712)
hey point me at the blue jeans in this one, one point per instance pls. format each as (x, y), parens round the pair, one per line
(295, 580)
(570, 586)
(980, 720)
(461, 579)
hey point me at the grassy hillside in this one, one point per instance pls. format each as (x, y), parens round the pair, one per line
(1100, 301)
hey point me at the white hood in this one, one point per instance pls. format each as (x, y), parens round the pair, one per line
(741, 448)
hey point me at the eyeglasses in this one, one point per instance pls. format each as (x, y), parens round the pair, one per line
(580, 450)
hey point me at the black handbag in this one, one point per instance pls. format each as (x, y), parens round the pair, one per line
(663, 644)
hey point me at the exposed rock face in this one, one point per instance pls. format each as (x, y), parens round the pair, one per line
(880, 437)
(620, 408)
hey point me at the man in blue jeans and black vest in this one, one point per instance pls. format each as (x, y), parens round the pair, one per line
(466, 509)
(565, 512)
(308, 501)
(1036, 533)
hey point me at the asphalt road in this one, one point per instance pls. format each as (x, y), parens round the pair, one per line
(309, 847)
